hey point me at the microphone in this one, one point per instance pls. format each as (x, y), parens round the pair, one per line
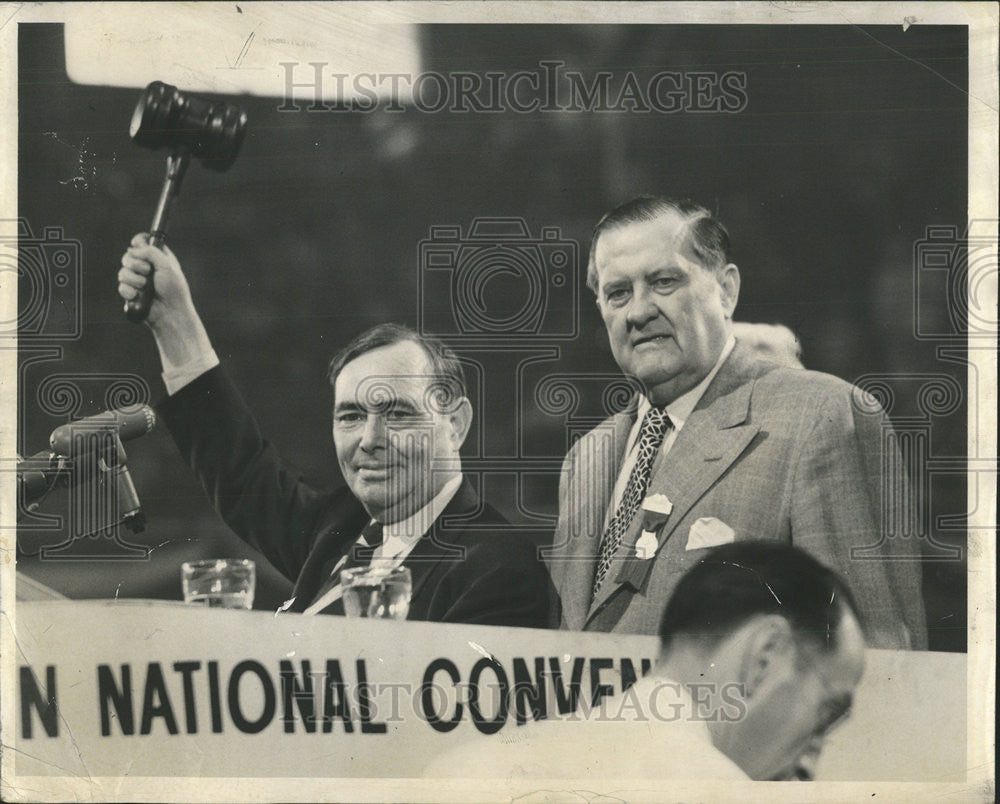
(97, 437)
(36, 476)
(114, 470)
(126, 423)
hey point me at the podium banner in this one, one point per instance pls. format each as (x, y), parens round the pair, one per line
(108, 689)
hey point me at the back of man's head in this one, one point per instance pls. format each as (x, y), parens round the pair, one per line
(747, 579)
(774, 342)
(772, 630)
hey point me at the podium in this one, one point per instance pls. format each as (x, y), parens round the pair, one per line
(143, 689)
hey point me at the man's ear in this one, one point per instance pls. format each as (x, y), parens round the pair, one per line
(460, 419)
(729, 281)
(769, 649)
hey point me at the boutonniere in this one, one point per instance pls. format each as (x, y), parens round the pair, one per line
(655, 510)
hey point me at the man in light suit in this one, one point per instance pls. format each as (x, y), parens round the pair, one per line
(400, 416)
(720, 446)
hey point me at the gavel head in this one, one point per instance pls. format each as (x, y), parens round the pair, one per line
(167, 118)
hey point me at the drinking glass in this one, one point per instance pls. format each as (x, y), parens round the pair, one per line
(219, 582)
(376, 592)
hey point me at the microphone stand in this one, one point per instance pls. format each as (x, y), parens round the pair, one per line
(114, 474)
(37, 476)
(113, 489)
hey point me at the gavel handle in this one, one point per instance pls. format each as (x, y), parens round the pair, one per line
(138, 308)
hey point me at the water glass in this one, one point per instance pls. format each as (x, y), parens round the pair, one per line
(376, 592)
(226, 583)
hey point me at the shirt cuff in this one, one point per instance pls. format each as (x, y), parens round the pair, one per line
(176, 377)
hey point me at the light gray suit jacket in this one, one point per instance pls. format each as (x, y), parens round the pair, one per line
(768, 453)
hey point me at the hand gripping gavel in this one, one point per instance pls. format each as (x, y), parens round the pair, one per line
(189, 126)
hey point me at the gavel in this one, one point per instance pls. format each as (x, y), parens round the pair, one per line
(212, 132)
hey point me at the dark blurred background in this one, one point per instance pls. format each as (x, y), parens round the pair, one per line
(853, 142)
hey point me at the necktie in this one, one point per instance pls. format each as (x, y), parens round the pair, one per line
(358, 555)
(654, 426)
(361, 552)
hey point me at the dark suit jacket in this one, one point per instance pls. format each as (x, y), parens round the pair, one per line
(767, 453)
(469, 568)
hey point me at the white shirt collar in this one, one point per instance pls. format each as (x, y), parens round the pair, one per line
(401, 535)
(671, 696)
(398, 541)
(680, 409)
(669, 705)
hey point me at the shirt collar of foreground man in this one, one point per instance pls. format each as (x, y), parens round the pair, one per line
(761, 649)
(772, 676)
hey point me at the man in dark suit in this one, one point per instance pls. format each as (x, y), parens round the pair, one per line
(720, 446)
(400, 417)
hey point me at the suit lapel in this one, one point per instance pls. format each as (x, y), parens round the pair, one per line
(710, 441)
(598, 461)
(438, 544)
(713, 437)
(333, 541)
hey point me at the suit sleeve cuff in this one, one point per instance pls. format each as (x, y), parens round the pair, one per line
(176, 377)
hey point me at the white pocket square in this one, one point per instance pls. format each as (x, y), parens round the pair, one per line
(709, 532)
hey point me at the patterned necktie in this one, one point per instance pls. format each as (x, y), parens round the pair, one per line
(654, 427)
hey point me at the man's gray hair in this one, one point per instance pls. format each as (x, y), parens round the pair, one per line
(449, 378)
(708, 239)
